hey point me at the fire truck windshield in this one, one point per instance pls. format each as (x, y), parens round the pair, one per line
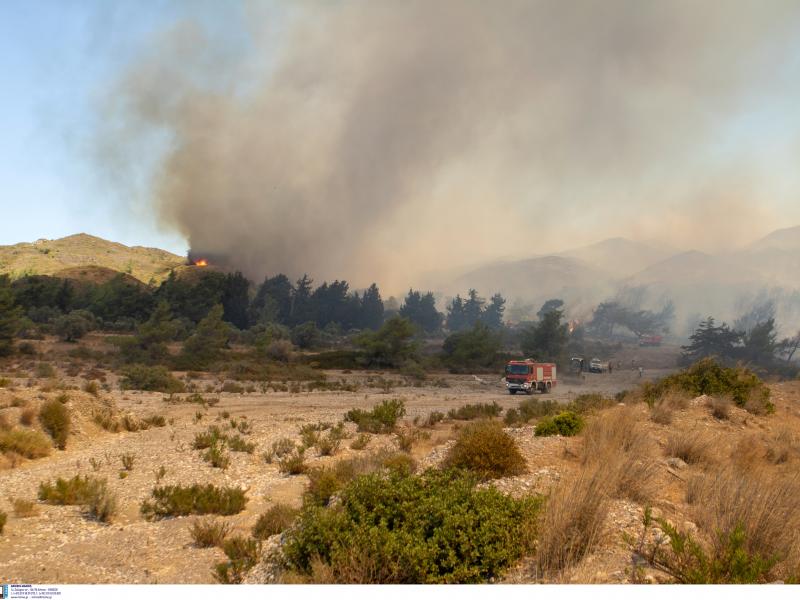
(517, 369)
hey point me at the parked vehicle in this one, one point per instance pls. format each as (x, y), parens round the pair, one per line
(650, 340)
(528, 375)
(596, 366)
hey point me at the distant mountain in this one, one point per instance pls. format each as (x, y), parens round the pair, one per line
(620, 256)
(50, 257)
(781, 239)
(695, 268)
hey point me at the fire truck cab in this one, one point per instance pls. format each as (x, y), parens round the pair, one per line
(528, 375)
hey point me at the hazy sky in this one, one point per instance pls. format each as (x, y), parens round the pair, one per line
(426, 134)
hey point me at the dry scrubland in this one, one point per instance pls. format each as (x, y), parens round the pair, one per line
(690, 488)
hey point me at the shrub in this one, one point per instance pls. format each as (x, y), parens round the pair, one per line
(91, 387)
(237, 443)
(567, 424)
(208, 533)
(151, 379)
(474, 348)
(3, 519)
(27, 443)
(488, 451)
(210, 437)
(322, 485)
(26, 416)
(780, 447)
(710, 378)
(196, 499)
(328, 445)
(101, 503)
(583, 403)
(469, 412)
(433, 418)
(77, 490)
(54, 417)
(127, 460)
(242, 556)
(690, 446)
(277, 518)
(155, 421)
(729, 561)
(381, 419)
(531, 408)
(216, 456)
(393, 527)
(360, 442)
(23, 508)
(293, 464)
(279, 449)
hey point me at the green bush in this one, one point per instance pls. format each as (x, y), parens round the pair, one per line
(277, 518)
(293, 464)
(150, 379)
(216, 456)
(93, 494)
(486, 450)
(393, 527)
(242, 556)
(237, 443)
(208, 533)
(728, 562)
(567, 424)
(54, 417)
(196, 499)
(531, 408)
(479, 410)
(475, 348)
(381, 419)
(710, 378)
(27, 443)
(210, 437)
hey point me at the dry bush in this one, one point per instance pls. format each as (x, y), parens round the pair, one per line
(5, 425)
(208, 533)
(661, 413)
(676, 400)
(26, 416)
(616, 442)
(293, 464)
(24, 442)
(360, 442)
(747, 452)
(572, 521)
(781, 447)
(720, 407)
(763, 503)
(692, 447)
(277, 518)
(55, 420)
(24, 508)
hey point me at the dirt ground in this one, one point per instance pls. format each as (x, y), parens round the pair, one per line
(60, 545)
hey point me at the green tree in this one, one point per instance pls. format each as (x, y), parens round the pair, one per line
(420, 309)
(547, 339)
(371, 308)
(456, 319)
(493, 313)
(710, 340)
(391, 346)
(74, 325)
(306, 335)
(10, 315)
(149, 345)
(302, 304)
(236, 300)
(550, 306)
(473, 348)
(273, 301)
(208, 341)
(760, 344)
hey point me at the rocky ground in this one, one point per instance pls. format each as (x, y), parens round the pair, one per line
(59, 544)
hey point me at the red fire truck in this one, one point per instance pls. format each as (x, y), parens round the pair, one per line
(528, 375)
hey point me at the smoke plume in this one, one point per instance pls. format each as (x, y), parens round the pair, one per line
(376, 140)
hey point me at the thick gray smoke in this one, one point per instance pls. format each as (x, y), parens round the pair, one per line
(375, 139)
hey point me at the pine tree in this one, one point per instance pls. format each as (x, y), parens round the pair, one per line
(371, 308)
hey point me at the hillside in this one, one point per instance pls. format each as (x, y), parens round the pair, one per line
(63, 256)
(620, 256)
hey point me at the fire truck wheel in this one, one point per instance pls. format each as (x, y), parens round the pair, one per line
(512, 392)
(529, 391)
(547, 388)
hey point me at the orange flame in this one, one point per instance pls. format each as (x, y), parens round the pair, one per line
(201, 263)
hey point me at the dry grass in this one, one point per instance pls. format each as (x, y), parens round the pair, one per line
(27, 416)
(661, 413)
(781, 447)
(617, 443)
(208, 533)
(692, 447)
(720, 407)
(572, 521)
(763, 502)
